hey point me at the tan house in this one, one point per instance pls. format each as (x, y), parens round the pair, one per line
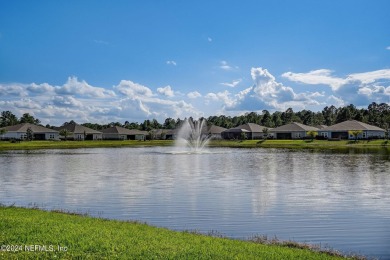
(344, 130)
(215, 132)
(292, 131)
(251, 130)
(79, 132)
(121, 133)
(38, 132)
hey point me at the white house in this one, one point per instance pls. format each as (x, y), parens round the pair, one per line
(344, 130)
(121, 133)
(292, 131)
(20, 131)
(79, 132)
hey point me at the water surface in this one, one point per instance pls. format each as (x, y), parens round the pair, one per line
(340, 200)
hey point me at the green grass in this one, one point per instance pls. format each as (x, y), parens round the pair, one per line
(298, 144)
(94, 238)
(25, 145)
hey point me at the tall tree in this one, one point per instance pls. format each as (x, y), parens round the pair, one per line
(8, 118)
(329, 114)
(27, 118)
(266, 119)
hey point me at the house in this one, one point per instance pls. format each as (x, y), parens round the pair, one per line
(20, 131)
(251, 130)
(121, 133)
(292, 131)
(344, 130)
(215, 132)
(79, 132)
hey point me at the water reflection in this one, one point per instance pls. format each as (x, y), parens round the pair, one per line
(341, 198)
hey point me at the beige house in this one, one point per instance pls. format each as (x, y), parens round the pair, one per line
(344, 130)
(19, 132)
(251, 130)
(292, 131)
(79, 132)
(121, 133)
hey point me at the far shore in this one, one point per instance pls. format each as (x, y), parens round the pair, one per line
(291, 144)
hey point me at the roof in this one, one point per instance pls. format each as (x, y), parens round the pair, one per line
(350, 125)
(78, 129)
(22, 128)
(123, 131)
(321, 126)
(213, 129)
(294, 127)
(249, 127)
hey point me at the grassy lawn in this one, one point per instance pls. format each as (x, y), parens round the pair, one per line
(316, 144)
(5, 145)
(69, 236)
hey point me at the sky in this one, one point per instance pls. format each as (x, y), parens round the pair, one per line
(116, 61)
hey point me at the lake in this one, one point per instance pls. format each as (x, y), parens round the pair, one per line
(338, 200)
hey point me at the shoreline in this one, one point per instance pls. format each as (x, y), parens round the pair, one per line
(46, 234)
(373, 145)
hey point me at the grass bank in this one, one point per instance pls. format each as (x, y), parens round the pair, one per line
(36, 234)
(295, 144)
(303, 144)
(26, 145)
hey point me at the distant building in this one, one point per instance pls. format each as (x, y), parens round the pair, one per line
(344, 130)
(292, 131)
(215, 132)
(20, 132)
(121, 133)
(79, 132)
(251, 130)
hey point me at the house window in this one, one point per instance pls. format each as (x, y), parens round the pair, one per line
(324, 134)
(298, 135)
(364, 134)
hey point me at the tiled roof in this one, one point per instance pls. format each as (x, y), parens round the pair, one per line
(78, 129)
(22, 128)
(350, 125)
(294, 127)
(249, 127)
(123, 131)
(215, 129)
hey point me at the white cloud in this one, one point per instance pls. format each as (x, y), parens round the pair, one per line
(233, 84)
(166, 91)
(357, 88)
(267, 93)
(41, 88)
(335, 101)
(323, 76)
(171, 62)
(225, 66)
(194, 94)
(75, 87)
(66, 101)
(209, 39)
(133, 90)
(13, 90)
(314, 77)
(370, 77)
(388, 48)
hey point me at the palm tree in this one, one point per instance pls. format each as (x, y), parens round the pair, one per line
(355, 133)
(312, 134)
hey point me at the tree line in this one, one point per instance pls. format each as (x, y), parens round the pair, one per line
(375, 114)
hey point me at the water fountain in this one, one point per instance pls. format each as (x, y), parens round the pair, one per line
(193, 136)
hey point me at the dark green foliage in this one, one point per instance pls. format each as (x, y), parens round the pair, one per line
(375, 114)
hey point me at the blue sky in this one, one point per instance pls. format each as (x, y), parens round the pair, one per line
(104, 61)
